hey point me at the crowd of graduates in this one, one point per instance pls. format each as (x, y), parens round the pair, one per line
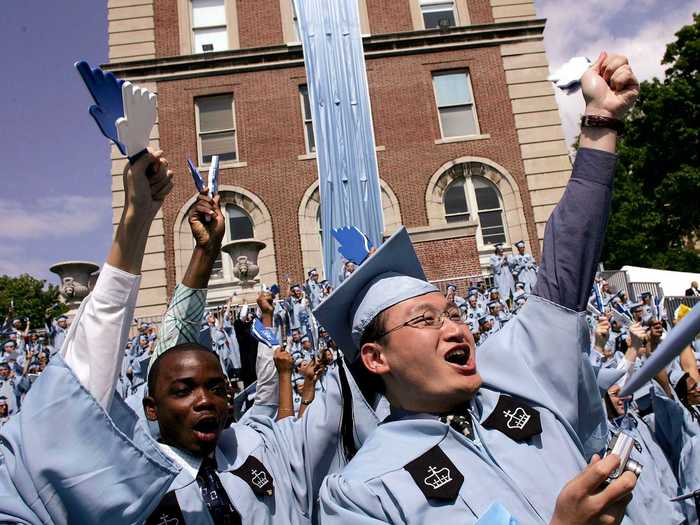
(385, 400)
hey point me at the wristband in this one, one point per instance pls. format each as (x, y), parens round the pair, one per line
(599, 121)
(305, 402)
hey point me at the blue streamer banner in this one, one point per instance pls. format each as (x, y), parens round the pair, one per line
(342, 118)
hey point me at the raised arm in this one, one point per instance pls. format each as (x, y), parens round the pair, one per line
(102, 450)
(94, 346)
(575, 231)
(183, 318)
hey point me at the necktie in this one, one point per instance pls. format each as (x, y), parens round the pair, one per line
(460, 421)
(214, 495)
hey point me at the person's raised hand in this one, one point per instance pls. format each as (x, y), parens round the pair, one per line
(284, 363)
(207, 234)
(264, 301)
(602, 331)
(638, 335)
(586, 500)
(146, 184)
(609, 87)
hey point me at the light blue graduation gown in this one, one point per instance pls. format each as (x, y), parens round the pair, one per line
(78, 464)
(524, 269)
(546, 349)
(678, 433)
(502, 278)
(657, 484)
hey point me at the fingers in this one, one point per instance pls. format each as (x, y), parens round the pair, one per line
(164, 187)
(610, 64)
(623, 77)
(598, 471)
(618, 491)
(599, 61)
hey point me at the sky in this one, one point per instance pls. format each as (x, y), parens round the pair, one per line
(56, 203)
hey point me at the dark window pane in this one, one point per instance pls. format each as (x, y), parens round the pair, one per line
(305, 98)
(432, 19)
(310, 137)
(215, 113)
(492, 227)
(240, 225)
(486, 194)
(455, 199)
(217, 271)
(222, 144)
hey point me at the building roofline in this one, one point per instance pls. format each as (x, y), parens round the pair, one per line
(285, 56)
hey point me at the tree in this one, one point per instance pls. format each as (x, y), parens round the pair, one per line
(655, 217)
(31, 298)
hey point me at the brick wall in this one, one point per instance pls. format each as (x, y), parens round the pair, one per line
(389, 16)
(480, 11)
(270, 139)
(448, 258)
(259, 23)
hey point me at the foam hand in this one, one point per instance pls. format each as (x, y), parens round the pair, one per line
(196, 176)
(213, 182)
(106, 91)
(134, 128)
(354, 245)
(569, 75)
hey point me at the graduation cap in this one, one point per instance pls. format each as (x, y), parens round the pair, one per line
(493, 304)
(484, 319)
(494, 290)
(472, 293)
(644, 295)
(312, 271)
(61, 318)
(635, 306)
(607, 377)
(520, 284)
(498, 245)
(520, 244)
(274, 290)
(391, 275)
(305, 338)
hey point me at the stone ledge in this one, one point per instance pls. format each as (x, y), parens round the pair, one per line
(444, 231)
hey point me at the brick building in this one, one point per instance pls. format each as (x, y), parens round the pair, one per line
(469, 140)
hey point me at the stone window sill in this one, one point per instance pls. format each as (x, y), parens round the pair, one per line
(468, 138)
(203, 169)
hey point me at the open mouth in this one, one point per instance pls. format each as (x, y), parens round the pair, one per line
(458, 356)
(206, 429)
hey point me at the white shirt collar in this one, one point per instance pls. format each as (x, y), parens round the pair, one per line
(187, 461)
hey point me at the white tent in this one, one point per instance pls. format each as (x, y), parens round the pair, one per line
(672, 283)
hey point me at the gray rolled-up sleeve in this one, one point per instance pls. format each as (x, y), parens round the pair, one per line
(574, 235)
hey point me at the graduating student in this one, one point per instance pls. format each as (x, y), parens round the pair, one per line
(524, 437)
(86, 458)
(500, 268)
(524, 267)
(257, 470)
(313, 289)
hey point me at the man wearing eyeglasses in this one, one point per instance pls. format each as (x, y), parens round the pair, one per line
(513, 439)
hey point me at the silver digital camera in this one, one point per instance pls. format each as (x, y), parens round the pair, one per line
(621, 444)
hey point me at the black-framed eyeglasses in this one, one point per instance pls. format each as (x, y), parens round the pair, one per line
(429, 319)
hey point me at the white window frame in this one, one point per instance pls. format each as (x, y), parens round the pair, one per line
(194, 28)
(428, 3)
(307, 120)
(477, 130)
(473, 208)
(234, 129)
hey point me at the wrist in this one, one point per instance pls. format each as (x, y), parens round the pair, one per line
(592, 109)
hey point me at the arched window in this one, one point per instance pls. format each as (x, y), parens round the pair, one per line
(471, 196)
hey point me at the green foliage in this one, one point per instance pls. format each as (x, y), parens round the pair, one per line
(655, 219)
(31, 298)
